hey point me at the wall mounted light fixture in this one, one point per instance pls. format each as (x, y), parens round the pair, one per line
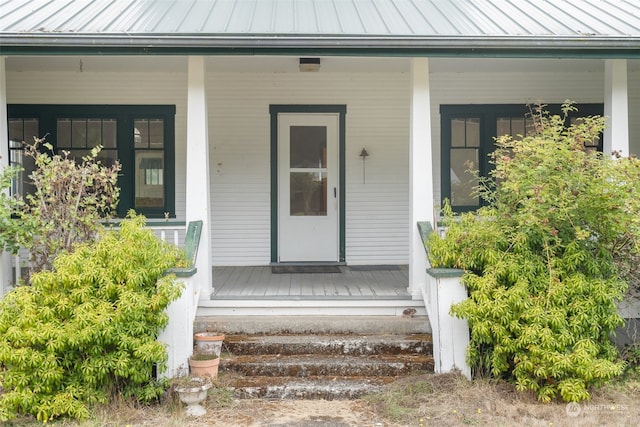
(364, 154)
(309, 64)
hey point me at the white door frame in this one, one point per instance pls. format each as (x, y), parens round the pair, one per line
(340, 112)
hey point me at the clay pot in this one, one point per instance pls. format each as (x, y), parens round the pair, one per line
(208, 342)
(204, 365)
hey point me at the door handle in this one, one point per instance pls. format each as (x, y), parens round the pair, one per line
(335, 194)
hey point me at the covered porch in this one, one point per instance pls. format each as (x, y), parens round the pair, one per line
(318, 290)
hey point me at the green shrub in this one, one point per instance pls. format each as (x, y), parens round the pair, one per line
(71, 198)
(87, 329)
(11, 231)
(548, 259)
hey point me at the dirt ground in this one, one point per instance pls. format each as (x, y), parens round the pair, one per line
(421, 400)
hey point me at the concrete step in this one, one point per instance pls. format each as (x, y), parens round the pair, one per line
(323, 365)
(313, 325)
(327, 388)
(313, 365)
(337, 344)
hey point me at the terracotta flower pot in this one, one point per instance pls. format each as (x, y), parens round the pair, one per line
(204, 366)
(208, 342)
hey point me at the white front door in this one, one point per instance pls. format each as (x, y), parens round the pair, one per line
(308, 187)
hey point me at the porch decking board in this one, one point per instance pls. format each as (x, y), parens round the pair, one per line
(244, 282)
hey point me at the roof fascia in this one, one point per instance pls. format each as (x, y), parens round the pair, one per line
(494, 46)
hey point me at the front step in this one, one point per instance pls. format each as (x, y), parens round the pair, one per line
(344, 325)
(330, 365)
(333, 388)
(309, 306)
(348, 345)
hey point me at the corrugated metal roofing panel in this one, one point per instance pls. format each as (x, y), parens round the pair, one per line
(472, 24)
(335, 17)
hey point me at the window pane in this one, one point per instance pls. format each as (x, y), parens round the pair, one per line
(308, 147)
(21, 131)
(64, 133)
(473, 132)
(517, 127)
(149, 179)
(463, 181)
(141, 133)
(308, 194)
(108, 156)
(156, 133)
(465, 132)
(30, 130)
(109, 134)
(457, 132)
(94, 132)
(503, 126)
(78, 133)
(15, 130)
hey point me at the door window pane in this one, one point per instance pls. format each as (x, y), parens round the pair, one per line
(308, 147)
(308, 193)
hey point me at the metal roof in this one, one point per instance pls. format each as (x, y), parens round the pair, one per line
(603, 27)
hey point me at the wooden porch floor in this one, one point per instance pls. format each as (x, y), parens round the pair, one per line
(355, 282)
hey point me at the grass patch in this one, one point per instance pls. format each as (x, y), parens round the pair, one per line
(452, 400)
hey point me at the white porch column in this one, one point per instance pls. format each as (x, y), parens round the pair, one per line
(421, 203)
(5, 258)
(616, 107)
(198, 194)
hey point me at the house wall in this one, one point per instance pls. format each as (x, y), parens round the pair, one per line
(377, 119)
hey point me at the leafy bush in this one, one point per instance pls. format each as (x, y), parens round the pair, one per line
(88, 328)
(548, 259)
(631, 356)
(10, 230)
(71, 197)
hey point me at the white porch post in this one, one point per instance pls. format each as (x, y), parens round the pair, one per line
(5, 258)
(198, 194)
(421, 203)
(616, 107)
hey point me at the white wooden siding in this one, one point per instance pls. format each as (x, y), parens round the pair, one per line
(239, 129)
